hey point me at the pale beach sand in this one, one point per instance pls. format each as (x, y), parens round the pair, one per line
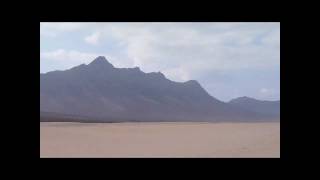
(160, 139)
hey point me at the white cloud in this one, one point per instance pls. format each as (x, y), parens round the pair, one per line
(191, 47)
(64, 59)
(178, 74)
(182, 51)
(273, 38)
(93, 38)
(52, 29)
(65, 56)
(267, 93)
(196, 47)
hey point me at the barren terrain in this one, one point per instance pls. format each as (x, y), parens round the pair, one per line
(159, 139)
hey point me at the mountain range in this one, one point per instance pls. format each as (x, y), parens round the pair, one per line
(99, 92)
(262, 107)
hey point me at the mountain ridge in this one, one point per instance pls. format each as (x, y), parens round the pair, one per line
(259, 106)
(101, 91)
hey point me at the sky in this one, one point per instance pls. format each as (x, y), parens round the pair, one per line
(229, 60)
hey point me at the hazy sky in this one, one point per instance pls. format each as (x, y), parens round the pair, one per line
(228, 59)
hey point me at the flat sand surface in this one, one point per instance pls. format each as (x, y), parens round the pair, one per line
(160, 139)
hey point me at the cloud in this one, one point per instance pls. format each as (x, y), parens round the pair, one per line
(52, 29)
(182, 51)
(179, 74)
(194, 48)
(93, 38)
(273, 38)
(266, 93)
(61, 59)
(67, 56)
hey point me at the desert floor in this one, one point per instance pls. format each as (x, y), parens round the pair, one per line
(160, 140)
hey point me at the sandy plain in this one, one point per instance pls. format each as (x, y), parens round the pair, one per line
(159, 139)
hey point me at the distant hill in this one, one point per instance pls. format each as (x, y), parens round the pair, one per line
(262, 107)
(100, 92)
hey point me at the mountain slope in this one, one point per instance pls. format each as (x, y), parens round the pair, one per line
(262, 107)
(100, 91)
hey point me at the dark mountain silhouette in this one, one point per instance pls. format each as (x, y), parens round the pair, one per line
(100, 92)
(262, 107)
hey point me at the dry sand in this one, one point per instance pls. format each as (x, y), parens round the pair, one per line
(160, 140)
